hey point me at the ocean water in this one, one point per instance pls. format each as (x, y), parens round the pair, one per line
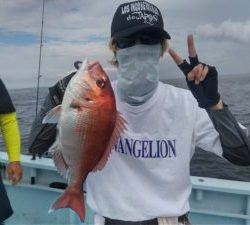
(235, 92)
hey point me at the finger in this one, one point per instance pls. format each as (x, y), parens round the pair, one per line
(9, 173)
(178, 60)
(198, 74)
(204, 73)
(193, 74)
(191, 47)
(19, 176)
(14, 180)
(11, 177)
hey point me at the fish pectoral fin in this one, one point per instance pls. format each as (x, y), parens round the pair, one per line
(60, 163)
(53, 115)
(120, 127)
(81, 104)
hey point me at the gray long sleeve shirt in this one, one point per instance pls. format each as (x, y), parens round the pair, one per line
(234, 140)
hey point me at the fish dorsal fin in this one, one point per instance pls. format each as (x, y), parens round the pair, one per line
(120, 127)
(53, 115)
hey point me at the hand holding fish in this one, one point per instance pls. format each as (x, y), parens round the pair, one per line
(202, 79)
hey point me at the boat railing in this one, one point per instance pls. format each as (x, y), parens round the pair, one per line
(212, 201)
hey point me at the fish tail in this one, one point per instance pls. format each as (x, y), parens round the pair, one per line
(71, 198)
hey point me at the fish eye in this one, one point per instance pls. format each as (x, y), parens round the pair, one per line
(100, 83)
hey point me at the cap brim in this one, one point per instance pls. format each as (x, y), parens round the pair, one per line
(130, 31)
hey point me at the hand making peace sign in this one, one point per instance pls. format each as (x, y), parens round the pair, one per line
(202, 79)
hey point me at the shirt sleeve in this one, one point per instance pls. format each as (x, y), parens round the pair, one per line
(234, 140)
(11, 135)
(205, 135)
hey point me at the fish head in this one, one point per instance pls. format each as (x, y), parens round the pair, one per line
(90, 85)
(98, 81)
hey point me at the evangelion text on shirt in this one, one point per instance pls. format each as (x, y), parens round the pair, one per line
(146, 148)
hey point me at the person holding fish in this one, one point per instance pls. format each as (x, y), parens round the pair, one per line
(132, 140)
(11, 136)
(147, 177)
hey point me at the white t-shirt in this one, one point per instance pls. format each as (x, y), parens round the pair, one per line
(148, 172)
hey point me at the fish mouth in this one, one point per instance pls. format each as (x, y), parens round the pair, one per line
(96, 71)
(91, 65)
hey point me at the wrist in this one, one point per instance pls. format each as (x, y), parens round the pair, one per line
(15, 162)
(217, 106)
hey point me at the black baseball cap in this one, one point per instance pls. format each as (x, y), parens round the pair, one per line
(136, 17)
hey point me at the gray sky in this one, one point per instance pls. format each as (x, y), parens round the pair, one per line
(79, 29)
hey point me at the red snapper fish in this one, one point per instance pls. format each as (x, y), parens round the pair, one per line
(88, 127)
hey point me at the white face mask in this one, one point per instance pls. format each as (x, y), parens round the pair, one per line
(138, 72)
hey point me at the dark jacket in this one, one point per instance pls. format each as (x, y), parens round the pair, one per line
(42, 136)
(5, 207)
(6, 105)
